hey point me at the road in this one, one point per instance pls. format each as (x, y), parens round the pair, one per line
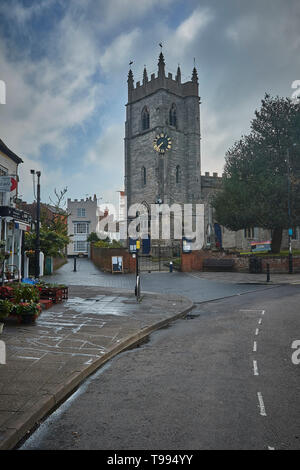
(187, 284)
(221, 379)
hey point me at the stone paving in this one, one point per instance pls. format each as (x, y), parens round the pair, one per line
(198, 286)
(46, 361)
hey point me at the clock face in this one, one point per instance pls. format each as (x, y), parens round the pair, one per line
(162, 143)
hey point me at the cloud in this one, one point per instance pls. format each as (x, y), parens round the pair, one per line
(23, 14)
(49, 96)
(117, 54)
(107, 153)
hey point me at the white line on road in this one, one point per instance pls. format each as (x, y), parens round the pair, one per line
(255, 368)
(254, 346)
(261, 404)
(259, 321)
(256, 331)
(271, 448)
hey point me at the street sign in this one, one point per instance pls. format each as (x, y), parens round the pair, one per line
(7, 184)
(290, 232)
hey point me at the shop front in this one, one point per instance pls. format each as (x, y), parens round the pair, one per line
(13, 225)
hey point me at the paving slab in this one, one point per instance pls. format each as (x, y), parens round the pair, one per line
(46, 361)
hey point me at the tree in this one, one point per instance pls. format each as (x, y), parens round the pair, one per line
(261, 182)
(51, 243)
(93, 237)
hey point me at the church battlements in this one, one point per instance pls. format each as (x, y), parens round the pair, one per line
(161, 81)
(88, 199)
(210, 180)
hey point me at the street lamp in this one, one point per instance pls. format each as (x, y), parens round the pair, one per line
(290, 232)
(37, 229)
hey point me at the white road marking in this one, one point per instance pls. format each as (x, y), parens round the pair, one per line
(256, 331)
(28, 357)
(259, 321)
(263, 312)
(271, 448)
(254, 346)
(255, 368)
(261, 404)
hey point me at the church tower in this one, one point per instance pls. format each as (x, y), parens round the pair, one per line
(162, 139)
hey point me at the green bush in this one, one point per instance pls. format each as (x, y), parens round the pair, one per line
(5, 308)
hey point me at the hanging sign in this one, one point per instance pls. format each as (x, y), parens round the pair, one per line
(7, 184)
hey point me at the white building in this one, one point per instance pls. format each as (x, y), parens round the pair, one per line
(13, 222)
(82, 220)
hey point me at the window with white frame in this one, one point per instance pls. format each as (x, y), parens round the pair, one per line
(81, 212)
(81, 227)
(296, 233)
(80, 246)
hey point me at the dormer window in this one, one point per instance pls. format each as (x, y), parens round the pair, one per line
(173, 115)
(145, 119)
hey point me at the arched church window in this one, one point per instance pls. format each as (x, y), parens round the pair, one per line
(177, 174)
(145, 119)
(173, 115)
(144, 176)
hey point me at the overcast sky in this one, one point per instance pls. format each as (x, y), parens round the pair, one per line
(65, 65)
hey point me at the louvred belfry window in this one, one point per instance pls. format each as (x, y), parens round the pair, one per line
(145, 119)
(173, 116)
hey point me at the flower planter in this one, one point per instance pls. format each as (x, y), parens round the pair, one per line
(52, 293)
(28, 318)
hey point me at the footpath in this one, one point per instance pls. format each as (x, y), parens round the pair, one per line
(47, 361)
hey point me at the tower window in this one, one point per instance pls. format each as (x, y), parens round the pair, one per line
(145, 119)
(173, 115)
(177, 174)
(144, 176)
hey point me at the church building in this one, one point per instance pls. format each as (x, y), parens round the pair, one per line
(162, 139)
(163, 155)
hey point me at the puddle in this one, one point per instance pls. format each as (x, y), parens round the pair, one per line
(96, 305)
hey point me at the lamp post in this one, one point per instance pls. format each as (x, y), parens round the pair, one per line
(37, 229)
(289, 211)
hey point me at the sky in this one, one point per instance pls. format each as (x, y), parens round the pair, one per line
(65, 65)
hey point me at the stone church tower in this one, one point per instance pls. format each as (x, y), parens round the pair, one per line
(162, 139)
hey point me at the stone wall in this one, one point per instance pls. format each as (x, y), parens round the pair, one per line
(101, 257)
(278, 264)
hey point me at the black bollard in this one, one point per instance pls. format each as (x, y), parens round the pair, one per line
(268, 272)
(74, 264)
(171, 266)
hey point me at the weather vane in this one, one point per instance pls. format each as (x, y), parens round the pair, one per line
(130, 63)
(160, 45)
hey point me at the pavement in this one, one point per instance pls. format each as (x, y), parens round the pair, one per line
(47, 361)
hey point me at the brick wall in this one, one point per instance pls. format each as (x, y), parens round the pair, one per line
(278, 264)
(101, 257)
(58, 262)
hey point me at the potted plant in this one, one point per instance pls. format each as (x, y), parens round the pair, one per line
(6, 292)
(25, 293)
(28, 312)
(5, 309)
(52, 291)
